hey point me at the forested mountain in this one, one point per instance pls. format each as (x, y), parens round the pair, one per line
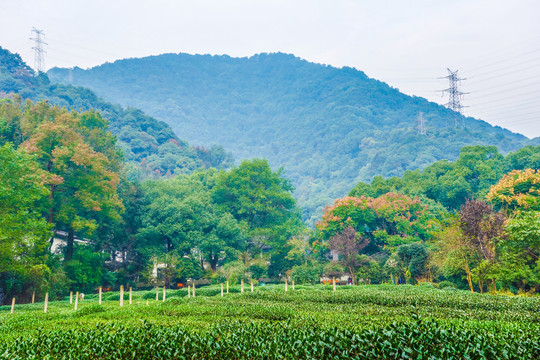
(145, 141)
(328, 127)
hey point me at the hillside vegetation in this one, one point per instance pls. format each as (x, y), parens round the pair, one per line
(328, 127)
(145, 141)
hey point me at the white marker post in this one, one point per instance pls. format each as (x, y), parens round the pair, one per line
(164, 293)
(221, 290)
(242, 285)
(46, 302)
(189, 291)
(121, 295)
(286, 286)
(334, 283)
(100, 292)
(251, 286)
(76, 300)
(227, 286)
(12, 305)
(193, 290)
(293, 284)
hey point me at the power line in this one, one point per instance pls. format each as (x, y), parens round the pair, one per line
(503, 60)
(500, 101)
(479, 61)
(39, 52)
(522, 121)
(474, 81)
(512, 112)
(506, 90)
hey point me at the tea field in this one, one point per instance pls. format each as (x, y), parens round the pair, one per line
(310, 322)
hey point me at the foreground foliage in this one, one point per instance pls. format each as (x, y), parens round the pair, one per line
(313, 322)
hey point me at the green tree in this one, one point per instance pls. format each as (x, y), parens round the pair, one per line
(23, 231)
(413, 258)
(453, 254)
(256, 195)
(182, 216)
(261, 200)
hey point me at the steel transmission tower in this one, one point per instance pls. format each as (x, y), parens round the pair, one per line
(421, 124)
(39, 52)
(454, 94)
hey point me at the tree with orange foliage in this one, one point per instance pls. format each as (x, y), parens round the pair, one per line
(79, 154)
(391, 219)
(518, 192)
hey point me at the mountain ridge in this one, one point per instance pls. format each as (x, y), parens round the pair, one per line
(328, 127)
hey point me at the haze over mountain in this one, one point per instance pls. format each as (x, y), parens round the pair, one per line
(327, 127)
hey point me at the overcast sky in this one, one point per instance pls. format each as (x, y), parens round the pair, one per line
(406, 43)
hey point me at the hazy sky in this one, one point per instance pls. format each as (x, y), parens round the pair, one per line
(406, 43)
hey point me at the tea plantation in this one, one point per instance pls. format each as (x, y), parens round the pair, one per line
(310, 322)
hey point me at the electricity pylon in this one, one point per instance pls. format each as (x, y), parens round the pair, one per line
(421, 124)
(39, 52)
(454, 94)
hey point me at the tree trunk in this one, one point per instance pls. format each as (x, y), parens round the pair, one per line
(69, 248)
(481, 284)
(353, 275)
(469, 277)
(50, 217)
(494, 284)
(469, 280)
(213, 262)
(202, 263)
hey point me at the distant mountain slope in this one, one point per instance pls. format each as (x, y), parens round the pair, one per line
(328, 127)
(146, 141)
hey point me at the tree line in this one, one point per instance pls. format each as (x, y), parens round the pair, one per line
(62, 171)
(472, 223)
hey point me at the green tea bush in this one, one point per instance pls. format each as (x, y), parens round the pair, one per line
(446, 283)
(116, 296)
(90, 309)
(310, 322)
(249, 340)
(148, 295)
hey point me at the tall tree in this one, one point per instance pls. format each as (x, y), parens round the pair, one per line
(483, 228)
(182, 216)
(23, 231)
(452, 252)
(518, 192)
(348, 244)
(262, 200)
(84, 180)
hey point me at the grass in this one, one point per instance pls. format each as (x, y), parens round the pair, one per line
(495, 324)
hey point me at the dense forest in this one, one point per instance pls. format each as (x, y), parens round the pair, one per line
(68, 177)
(327, 127)
(145, 141)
